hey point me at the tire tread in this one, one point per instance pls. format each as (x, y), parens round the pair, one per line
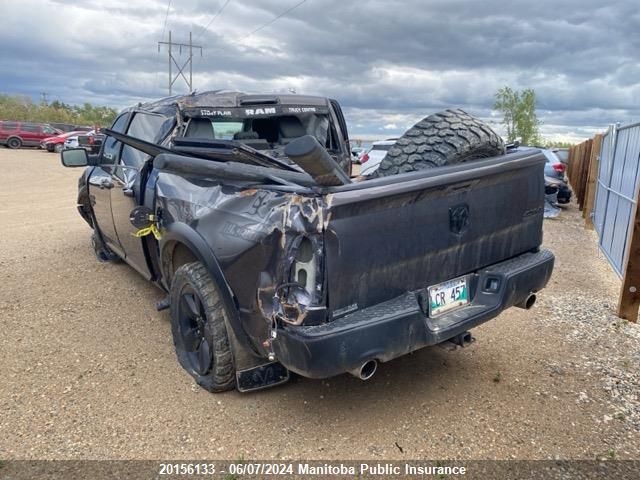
(444, 138)
(221, 377)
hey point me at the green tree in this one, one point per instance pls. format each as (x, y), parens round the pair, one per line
(22, 108)
(557, 144)
(519, 114)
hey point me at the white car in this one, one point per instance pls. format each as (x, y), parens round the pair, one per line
(370, 161)
(72, 141)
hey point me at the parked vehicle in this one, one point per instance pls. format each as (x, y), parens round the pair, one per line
(91, 143)
(27, 134)
(67, 127)
(241, 208)
(371, 159)
(356, 154)
(72, 141)
(554, 170)
(554, 167)
(56, 143)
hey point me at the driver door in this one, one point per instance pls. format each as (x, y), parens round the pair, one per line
(101, 183)
(127, 192)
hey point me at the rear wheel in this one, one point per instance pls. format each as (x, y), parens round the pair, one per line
(444, 138)
(14, 142)
(199, 328)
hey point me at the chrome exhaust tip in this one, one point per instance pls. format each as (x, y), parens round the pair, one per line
(528, 302)
(366, 370)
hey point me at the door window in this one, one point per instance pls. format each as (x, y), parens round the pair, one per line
(30, 128)
(111, 147)
(147, 127)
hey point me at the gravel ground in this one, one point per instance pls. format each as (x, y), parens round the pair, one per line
(88, 368)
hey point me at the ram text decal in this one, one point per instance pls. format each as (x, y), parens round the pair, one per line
(260, 111)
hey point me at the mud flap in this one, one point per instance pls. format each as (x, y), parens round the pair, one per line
(262, 376)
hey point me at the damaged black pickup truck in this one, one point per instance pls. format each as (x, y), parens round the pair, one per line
(241, 207)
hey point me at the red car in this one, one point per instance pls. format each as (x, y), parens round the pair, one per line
(56, 144)
(27, 134)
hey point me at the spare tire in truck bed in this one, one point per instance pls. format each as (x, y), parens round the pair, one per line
(444, 138)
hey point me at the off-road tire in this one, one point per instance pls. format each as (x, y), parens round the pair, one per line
(444, 138)
(14, 142)
(193, 279)
(103, 254)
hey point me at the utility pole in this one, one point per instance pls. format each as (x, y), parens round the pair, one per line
(43, 98)
(172, 59)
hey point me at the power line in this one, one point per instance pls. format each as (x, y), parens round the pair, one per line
(164, 28)
(273, 20)
(166, 17)
(212, 19)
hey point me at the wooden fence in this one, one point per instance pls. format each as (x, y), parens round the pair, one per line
(582, 171)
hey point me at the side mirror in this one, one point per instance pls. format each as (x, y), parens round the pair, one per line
(74, 157)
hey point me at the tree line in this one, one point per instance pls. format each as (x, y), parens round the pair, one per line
(23, 108)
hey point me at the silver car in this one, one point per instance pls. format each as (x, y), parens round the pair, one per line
(371, 159)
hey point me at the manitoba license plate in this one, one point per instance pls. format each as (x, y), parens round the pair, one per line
(448, 295)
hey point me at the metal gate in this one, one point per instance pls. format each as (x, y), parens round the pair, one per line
(617, 191)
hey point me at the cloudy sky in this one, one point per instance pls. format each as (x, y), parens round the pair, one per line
(388, 62)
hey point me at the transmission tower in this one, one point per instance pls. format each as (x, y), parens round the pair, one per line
(174, 61)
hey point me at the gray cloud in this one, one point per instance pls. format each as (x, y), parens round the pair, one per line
(389, 63)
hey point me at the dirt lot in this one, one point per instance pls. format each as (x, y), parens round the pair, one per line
(89, 371)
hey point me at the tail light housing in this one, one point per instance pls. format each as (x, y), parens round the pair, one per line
(365, 158)
(301, 299)
(559, 167)
(305, 266)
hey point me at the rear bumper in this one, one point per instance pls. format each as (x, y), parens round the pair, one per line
(399, 326)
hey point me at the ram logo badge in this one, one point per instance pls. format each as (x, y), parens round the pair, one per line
(459, 218)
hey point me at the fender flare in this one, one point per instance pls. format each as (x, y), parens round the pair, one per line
(243, 349)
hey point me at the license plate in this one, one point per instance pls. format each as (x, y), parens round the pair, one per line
(448, 295)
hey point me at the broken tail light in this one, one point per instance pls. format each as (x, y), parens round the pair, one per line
(305, 266)
(301, 299)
